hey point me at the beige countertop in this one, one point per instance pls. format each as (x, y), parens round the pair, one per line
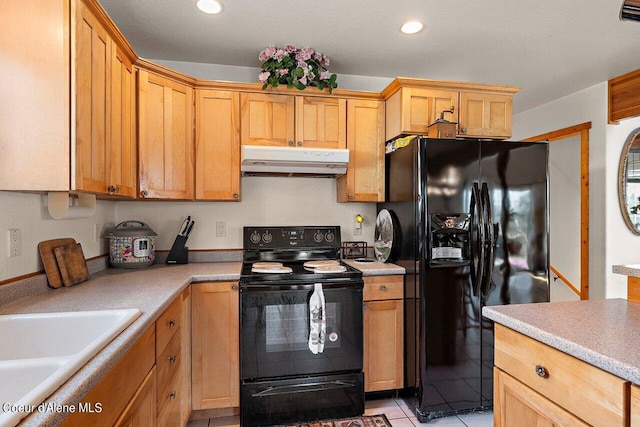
(632, 270)
(150, 290)
(603, 333)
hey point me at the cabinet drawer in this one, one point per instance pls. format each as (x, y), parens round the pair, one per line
(383, 288)
(169, 403)
(635, 406)
(169, 361)
(590, 393)
(167, 324)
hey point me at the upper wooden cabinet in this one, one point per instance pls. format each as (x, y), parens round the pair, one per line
(165, 138)
(485, 115)
(364, 180)
(217, 145)
(481, 111)
(288, 120)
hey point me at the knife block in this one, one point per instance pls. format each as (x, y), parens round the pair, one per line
(179, 253)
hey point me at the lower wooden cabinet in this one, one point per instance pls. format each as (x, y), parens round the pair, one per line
(533, 380)
(635, 406)
(215, 345)
(141, 410)
(383, 333)
(515, 404)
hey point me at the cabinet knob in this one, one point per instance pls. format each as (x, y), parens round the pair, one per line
(173, 395)
(365, 306)
(172, 322)
(111, 189)
(144, 193)
(172, 358)
(299, 143)
(383, 288)
(541, 371)
(236, 196)
(463, 130)
(117, 188)
(351, 198)
(290, 143)
(234, 287)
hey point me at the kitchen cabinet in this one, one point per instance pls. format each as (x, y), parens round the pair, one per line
(217, 145)
(481, 110)
(485, 115)
(383, 333)
(141, 410)
(364, 180)
(215, 345)
(185, 331)
(123, 151)
(635, 406)
(293, 121)
(534, 381)
(126, 376)
(165, 138)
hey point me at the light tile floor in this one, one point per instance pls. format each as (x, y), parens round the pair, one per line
(396, 410)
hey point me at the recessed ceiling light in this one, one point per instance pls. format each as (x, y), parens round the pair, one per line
(411, 27)
(210, 6)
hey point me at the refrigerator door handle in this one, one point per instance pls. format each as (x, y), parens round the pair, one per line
(492, 231)
(477, 246)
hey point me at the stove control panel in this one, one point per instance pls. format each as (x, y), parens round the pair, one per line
(291, 237)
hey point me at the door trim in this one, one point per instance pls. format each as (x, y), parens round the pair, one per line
(582, 130)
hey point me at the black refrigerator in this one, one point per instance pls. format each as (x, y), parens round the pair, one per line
(469, 221)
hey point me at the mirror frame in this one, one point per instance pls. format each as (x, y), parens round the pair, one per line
(622, 174)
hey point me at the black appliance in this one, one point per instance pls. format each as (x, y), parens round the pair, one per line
(473, 220)
(282, 379)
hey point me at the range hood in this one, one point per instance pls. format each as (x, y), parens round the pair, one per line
(293, 161)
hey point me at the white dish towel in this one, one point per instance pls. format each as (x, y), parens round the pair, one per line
(317, 321)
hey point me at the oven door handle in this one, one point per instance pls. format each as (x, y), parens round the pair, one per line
(304, 388)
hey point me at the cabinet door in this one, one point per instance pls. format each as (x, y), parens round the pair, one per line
(383, 345)
(141, 410)
(635, 406)
(515, 404)
(215, 345)
(321, 122)
(123, 174)
(411, 110)
(217, 145)
(485, 115)
(267, 119)
(165, 138)
(364, 180)
(93, 51)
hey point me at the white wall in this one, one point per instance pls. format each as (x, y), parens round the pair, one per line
(610, 243)
(28, 213)
(250, 75)
(265, 201)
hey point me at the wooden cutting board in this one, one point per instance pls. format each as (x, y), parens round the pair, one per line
(49, 261)
(71, 262)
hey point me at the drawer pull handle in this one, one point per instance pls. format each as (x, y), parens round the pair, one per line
(383, 288)
(172, 322)
(172, 359)
(234, 287)
(173, 395)
(541, 371)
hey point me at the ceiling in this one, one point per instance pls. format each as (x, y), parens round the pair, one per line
(549, 48)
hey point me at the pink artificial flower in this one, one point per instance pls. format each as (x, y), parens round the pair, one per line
(279, 54)
(303, 80)
(325, 75)
(283, 71)
(270, 51)
(304, 54)
(317, 56)
(289, 48)
(263, 56)
(302, 64)
(325, 60)
(264, 76)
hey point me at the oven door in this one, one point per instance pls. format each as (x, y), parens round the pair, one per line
(274, 330)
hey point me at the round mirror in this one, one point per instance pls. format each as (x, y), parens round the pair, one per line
(629, 181)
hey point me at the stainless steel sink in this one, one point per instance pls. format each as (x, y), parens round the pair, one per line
(41, 351)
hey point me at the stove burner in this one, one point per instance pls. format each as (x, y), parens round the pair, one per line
(270, 268)
(321, 263)
(330, 269)
(266, 265)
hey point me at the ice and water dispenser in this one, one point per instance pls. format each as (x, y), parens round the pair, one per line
(449, 239)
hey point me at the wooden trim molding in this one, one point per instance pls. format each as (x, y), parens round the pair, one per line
(565, 280)
(582, 130)
(623, 97)
(400, 82)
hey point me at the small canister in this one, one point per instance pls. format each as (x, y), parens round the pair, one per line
(131, 245)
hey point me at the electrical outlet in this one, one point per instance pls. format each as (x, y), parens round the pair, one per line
(97, 228)
(221, 229)
(15, 243)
